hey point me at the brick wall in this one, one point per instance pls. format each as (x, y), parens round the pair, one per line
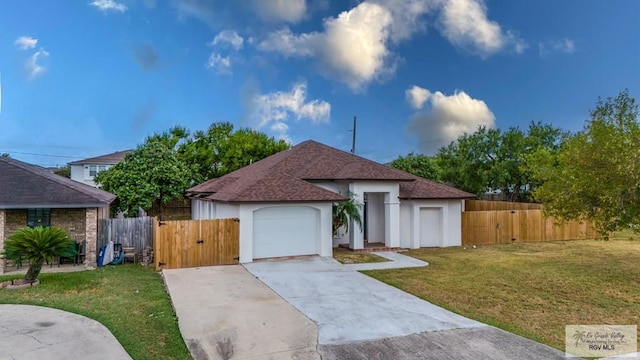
(70, 220)
(91, 222)
(15, 220)
(2, 261)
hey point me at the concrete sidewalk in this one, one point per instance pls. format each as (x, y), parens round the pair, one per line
(35, 333)
(224, 312)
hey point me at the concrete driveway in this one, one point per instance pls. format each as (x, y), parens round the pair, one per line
(360, 317)
(224, 312)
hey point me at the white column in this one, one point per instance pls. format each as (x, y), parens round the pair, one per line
(356, 237)
(391, 220)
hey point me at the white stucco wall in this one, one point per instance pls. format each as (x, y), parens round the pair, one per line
(451, 227)
(390, 190)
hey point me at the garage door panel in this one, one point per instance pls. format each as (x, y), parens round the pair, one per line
(285, 231)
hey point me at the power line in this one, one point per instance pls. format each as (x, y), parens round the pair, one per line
(49, 155)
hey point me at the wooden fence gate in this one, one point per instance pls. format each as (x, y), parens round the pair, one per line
(489, 222)
(193, 243)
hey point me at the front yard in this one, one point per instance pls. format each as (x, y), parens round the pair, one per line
(129, 300)
(531, 289)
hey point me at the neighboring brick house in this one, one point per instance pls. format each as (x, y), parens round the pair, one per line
(85, 170)
(31, 195)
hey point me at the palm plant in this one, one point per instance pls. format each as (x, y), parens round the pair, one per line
(344, 211)
(37, 245)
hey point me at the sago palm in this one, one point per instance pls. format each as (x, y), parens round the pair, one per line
(344, 211)
(37, 245)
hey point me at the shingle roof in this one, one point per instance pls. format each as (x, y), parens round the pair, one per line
(24, 185)
(108, 159)
(422, 188)
(286, 176)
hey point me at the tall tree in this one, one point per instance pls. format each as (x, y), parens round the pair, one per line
(595, 175)
(490, 159)
(219, 150)
(419, 165)
(152, 173)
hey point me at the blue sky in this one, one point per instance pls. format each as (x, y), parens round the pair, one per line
(85, 78)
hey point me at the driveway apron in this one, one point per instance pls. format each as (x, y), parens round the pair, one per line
(224, 312)
(355, 313)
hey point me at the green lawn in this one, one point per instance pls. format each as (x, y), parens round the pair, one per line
(129, 300)
(346, 256)
(531, 289)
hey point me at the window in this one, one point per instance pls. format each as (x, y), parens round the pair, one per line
(38, 217)
(95, 169)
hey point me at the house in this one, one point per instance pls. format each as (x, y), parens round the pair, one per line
(85, 170)
(31, 196)
(284, 204)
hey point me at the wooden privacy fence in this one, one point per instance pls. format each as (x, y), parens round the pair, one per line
(506, 226)
(136, 232)
(192, 243)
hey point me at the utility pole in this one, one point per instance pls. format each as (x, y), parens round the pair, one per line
(353, 143)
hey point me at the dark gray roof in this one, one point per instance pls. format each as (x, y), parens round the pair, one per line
(287, 177)
(108, 159)
(24, 185)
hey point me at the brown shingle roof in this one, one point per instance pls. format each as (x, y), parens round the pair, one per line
(286, 176)
(24, 185)
(108, 159)
(422, 188)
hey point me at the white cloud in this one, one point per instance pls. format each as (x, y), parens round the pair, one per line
(109, 5)
(26, 42)
(220, 64)
(407, 15)
(287, 43)
(448, 117)
(202, 10)
(228, 38)
(275, 109)
(291, 11)
(565, 46)
(465, 24)
(352, 48)
(32, 66)
(417, 96)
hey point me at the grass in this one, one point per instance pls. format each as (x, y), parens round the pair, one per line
(129, 300)
(345, 256)
(531, 289)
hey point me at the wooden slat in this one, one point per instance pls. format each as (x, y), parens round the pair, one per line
(506, 226)
(178, 246)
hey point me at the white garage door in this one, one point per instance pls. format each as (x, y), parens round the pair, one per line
(431, 227)
(285, 231)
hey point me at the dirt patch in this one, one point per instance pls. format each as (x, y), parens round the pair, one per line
(18, 284)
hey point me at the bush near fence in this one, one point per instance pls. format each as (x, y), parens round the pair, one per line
(501, 222)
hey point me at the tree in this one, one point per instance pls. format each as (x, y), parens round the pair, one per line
(219, 150)
(63, 171)
(37, 245)
(419, 165)
(595, 175)
(490, 159)
(343, 212)
(152, 173)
